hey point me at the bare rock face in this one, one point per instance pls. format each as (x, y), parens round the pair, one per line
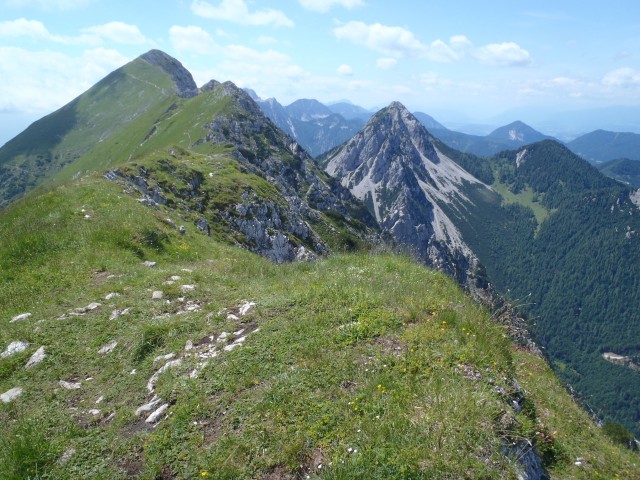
(407, 184)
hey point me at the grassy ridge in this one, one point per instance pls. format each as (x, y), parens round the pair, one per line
(362, 367)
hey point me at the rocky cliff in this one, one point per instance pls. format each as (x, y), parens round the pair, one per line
(404, 180)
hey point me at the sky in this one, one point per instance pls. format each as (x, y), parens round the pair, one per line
(460, 59)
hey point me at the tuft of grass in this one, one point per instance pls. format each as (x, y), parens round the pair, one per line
(25, 451)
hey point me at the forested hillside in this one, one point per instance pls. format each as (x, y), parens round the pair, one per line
(564, 246)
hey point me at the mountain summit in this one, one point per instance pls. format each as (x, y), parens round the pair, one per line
(517, 134)
(404, 181)
(184, 84)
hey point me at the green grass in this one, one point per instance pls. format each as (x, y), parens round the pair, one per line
(524, 198)
(369, 365)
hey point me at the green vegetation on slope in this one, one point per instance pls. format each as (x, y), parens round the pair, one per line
(356, 366)
(574, 272)
(138, 91)
(527, 198)
(622, 169)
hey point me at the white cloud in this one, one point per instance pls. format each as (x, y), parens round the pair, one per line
(265, 40)
(398, 42)
(192, 39)
(49, 4)
(344, 69)
(622, 77)
(386, 63)
(324, 6)
(42, 81)
(505, 54)
(564, 82)
(391, 41)
(268, 72)
(237, 11)
(25, 28)
(432, 79)
(37, 31)
(118, 32)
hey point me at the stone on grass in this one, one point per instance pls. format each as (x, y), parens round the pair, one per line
(13, 348)
(109, 296)
(36, 358)
(161, 358)
(246, 308)
(155, 416)
(186, 288)
(70, 385)
(11, 395)
(149, 263)
(147, 407)
(117, 313)
(151, 384)
(66, 456)
(108, 348)
(89, 308)
(233, 346)
(157, 295)
(22, 316)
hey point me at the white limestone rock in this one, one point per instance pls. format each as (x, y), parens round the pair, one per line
(36, 358)
(161, 358)
(10, 395)
(70, 385)
(151, 384)
(155, 416)
(22, 316)
(109, 347)
(147, 407)
(13, 348)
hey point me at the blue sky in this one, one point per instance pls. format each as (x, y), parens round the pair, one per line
(463, 59)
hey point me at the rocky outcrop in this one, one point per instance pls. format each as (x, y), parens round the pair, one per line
(278, 225)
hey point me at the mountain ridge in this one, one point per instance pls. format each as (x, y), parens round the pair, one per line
(211, 167)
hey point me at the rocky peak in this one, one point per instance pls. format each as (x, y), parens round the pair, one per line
(184, 84)
(210, 85)
(393, 166)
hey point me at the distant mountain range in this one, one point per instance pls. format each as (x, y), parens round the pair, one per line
(319, 128)
(601, 146)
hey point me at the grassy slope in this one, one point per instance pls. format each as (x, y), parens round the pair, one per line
(524, 198)
(119, 109)
(359, 364)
